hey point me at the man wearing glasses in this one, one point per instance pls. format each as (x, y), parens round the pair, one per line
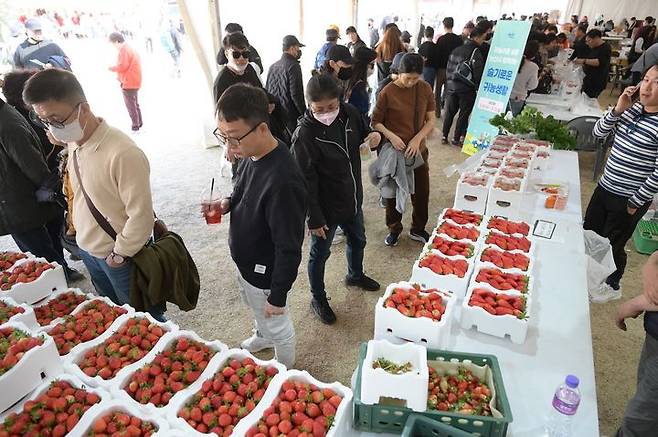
(110, 175)
(268, 211)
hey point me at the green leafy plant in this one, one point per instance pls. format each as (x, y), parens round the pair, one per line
(530, 120)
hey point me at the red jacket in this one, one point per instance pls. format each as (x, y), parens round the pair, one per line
(128, 68)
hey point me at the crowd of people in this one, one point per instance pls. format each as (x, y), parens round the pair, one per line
(75, 181)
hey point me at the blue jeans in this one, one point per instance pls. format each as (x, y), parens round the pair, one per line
(114, 283)
(355, 235)
(429, 75)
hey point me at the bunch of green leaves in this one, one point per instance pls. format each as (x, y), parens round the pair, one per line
(530, 120)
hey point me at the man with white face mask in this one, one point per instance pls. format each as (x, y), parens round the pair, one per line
(110, 181)
(36, 53)
(238, 69)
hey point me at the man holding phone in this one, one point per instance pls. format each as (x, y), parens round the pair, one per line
(630, 178)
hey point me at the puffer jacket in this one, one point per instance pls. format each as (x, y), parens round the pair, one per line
(284, 80)
(329, 159)
(459, 55)
(23, 170)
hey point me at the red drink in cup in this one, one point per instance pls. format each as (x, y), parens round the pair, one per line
(212, 211)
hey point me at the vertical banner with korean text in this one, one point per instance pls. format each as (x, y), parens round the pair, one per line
(507, 46)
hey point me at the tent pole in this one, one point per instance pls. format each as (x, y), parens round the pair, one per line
(196, 43)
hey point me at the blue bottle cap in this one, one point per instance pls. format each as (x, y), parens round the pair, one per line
(572, 381)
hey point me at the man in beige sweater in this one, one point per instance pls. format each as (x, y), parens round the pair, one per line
(113, 178)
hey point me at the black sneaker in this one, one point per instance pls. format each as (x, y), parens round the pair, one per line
(323, 311)
(421, 236)
(364, 283)
(392, 239)
(457, 143)
(73, 275)
(445, 141)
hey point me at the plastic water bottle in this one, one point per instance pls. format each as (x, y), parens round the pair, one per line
(565, 405)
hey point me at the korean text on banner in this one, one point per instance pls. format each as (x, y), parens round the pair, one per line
(507, 46)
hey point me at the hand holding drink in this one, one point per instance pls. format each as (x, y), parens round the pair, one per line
(212, 205)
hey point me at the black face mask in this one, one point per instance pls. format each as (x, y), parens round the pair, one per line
(299, 55)
(345, 73)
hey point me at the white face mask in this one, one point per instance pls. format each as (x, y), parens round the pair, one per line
(70, 133)
(371, 70)
(327, 118)
(237, 67)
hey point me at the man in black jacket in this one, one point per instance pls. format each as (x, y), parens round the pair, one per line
(34, 225)
(326, 146)
(268, 207)
(254, 57)
(284, 81)
(460, 90)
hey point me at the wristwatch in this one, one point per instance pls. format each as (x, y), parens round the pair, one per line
(115, 257)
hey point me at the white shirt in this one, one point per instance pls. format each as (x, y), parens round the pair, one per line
(526, 80)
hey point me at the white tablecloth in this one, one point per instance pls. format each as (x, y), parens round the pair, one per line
(559, 338)
(563, 109)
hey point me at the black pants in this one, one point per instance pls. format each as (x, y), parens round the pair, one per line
(462, 102)
(607, 215)
(44, 241)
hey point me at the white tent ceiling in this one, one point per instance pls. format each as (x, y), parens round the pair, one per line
(613, 9)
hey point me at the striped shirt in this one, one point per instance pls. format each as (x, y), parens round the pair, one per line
(632, 167)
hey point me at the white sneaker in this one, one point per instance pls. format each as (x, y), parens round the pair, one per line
(605, 293)
(339, 236)
(256, 343)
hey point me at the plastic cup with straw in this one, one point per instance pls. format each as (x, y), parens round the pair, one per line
(212, 206)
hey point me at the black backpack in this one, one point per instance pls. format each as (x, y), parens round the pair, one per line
(464, 71)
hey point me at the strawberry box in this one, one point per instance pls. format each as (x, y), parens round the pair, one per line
(17, 312)
(326, 400)
(457, 232)
(211, 405)
(495, 313)
(506, 140)
(435, 270)
(59, 304)
(493, 256)
(26, 284)
(395, 371)
(542, 158)
(451, 247)
(508, 227)
(26, 358)
(9, 258)
(506, 197)
(167, 371)
(472, 191)
(461, 217)
(510, 242)
(118, 350)
(430, 330)
(513, 173)
(89, 320)
(112, 416)
(505, 281)
(55, 408)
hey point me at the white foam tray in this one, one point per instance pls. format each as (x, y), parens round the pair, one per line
(533, 243)
(420, 330)
(443, 213)
(218, 362)
(45, 385)
(499, 326)
(56, 295)
(342, 425)
(475, 244)
(36, 364)
(28, 254)
(516, 234)
(378, 383)
(120, 381)
(471, 197)
(27, 317)
(109, 406)
(79, 308)
(531, 265)
(32, 292)
(479, 266)
(74, 357)
(428, 279)
(507, 204)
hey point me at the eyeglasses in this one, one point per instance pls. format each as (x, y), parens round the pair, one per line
(54, 123)
(223, 139)
(241, 54)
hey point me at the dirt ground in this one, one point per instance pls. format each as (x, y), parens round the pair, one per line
(180, 172)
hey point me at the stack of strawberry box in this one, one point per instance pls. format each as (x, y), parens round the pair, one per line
(498, 298)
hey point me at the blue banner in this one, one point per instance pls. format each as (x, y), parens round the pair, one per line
(507, 46)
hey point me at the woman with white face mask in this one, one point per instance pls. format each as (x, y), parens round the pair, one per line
(326, 146)
(358, 91)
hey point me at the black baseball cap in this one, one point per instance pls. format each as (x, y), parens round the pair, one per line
(340, 53)
(291, 41)
(332, 33)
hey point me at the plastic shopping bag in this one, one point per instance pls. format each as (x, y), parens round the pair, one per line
(600, 263)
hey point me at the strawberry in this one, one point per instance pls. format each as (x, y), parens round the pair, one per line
(498, 304)
(412, 303)
(505, 259)
(444, 266)
(462, 217)
(462, 393)
(458, 232)
(508, 227)
(508, 242)
(502, 280)
(63, 305)
(8, 311)
(14, 343)
(452, 248)
(8, 259)
(24, 273)
(116, 423)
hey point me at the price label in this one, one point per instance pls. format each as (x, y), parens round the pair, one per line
(543, 229)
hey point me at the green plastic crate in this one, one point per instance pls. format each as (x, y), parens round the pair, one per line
(421, 426)
(392, 419)
(645, 237)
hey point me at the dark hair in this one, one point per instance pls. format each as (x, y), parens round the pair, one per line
(477, 32)
(322, 86)
(646, 70)
(389, 25)
(233, 28)
(531, 49)
(549, 38)
(429, 32)
(648, 20)
(53, 84)
(236, 40)
(411, 63)
(116, 37)
(405, 37)
(448, 22)
(551, 28)
(485, 25)
(350, 29)
(14, 83)
(594, 33)
(242, 101)
(562, 37)
(582, 28)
